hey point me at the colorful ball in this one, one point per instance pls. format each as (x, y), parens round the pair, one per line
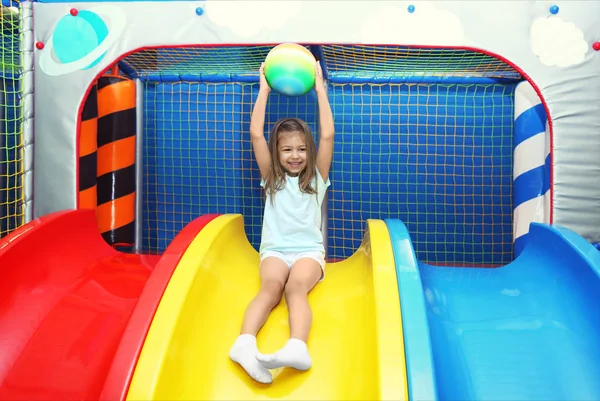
(290, 69)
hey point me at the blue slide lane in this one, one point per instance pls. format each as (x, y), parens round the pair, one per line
(529, 330)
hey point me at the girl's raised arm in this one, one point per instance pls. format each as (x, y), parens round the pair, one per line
(326, 128)
(257, 127)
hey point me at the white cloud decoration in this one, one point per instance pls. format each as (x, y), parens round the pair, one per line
(248, 18)
(556, 42)
(426, 25)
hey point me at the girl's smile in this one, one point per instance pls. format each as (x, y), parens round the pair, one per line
(292, 153)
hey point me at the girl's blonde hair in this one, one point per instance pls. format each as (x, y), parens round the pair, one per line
(276, 177)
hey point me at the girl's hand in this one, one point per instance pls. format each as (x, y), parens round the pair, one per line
(264, 85)
(319, 84)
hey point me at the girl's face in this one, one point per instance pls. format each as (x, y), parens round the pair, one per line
(292, 152)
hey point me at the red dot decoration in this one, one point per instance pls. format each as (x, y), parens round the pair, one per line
(596, 46)
(40, 45)
(74, 12)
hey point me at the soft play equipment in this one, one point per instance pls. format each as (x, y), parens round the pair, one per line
(461, 227)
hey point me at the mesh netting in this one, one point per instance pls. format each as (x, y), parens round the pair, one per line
(234, 62)
(11, 140)
(241, 62)
(198, 158)
(436, 155)
(391, 61)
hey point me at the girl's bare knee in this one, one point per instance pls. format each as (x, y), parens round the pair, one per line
(272, 291)
(295, 288)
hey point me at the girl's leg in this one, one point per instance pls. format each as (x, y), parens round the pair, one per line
(305, 274)
(273, 276)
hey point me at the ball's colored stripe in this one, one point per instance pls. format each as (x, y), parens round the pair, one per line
(289, 66)
(296, 51)
(298, 81)
(305, 57)
(303, 75)
(290, 86)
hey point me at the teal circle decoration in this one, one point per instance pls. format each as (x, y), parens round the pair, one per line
(77, 36)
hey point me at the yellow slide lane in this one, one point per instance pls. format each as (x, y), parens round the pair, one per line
(356, 340)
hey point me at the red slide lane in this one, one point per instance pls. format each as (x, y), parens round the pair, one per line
(74, 312)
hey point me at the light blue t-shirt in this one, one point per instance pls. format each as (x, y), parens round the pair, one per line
(293, 222)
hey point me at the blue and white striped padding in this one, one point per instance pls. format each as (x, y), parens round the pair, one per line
(531, 170)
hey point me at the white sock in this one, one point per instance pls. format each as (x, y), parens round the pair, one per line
(243, 351)
(294, 354)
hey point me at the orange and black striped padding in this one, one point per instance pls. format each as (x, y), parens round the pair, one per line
(116, 159)
(87, 151)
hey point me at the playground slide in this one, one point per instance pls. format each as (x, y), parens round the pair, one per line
(385, 325)
(66, 298)
(525, 331)
(73, 311)
(356, 342)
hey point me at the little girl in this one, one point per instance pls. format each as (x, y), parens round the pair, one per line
(292, 257)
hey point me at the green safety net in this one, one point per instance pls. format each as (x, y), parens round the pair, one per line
(11, 127)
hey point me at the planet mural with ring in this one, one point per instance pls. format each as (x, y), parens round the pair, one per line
(81, 39)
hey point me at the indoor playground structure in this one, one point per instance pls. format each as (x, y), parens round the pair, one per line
(461, 226)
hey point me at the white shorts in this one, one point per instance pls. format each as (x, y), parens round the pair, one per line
(292, 257)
